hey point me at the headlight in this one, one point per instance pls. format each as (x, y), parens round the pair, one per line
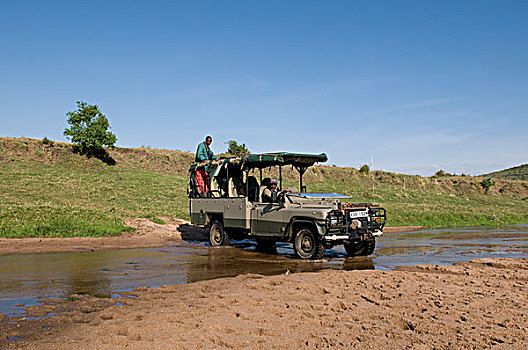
(333, 220)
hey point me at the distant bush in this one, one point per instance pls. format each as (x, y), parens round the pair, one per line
(364, 169)
(487, 184)
(46, 141)
(89, 129)
(234, 148)
(441, 173)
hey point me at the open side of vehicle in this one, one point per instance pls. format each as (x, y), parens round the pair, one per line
(230, 204)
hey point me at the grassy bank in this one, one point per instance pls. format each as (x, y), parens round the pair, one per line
(50, 191)
(46, 190)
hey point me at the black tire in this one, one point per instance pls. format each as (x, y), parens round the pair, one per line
(362, 248)
(307, 245)
(217, 235)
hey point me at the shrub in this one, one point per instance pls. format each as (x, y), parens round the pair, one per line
(487, 184)
(89, 129)
(364, 169)
(46, 141)
(441, 173)
(234, 148)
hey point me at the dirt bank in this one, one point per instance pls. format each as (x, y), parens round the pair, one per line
(478, 304)
(146, 234)
(396, 229)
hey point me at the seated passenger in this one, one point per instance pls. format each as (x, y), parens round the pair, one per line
(237, 187)
(253, 189)
(271, 193)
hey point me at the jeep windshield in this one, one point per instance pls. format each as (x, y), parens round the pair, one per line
(319, 195)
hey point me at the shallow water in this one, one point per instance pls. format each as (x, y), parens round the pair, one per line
(29, 278)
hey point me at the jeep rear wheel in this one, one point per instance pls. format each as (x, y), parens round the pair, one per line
(307, 245)
(217, 234)
(362, 248)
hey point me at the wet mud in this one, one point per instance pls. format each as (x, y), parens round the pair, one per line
(477, 304)
(29, 279)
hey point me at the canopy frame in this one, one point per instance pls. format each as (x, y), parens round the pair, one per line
(300, 161)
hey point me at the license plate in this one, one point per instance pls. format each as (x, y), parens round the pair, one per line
(358, 214)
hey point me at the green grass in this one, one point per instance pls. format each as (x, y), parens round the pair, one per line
(423, 207)
(416, 201)
(51, 192)
(47, 191)
(516, 173)
(73, 200)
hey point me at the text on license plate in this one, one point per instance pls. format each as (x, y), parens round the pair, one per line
(358, 214)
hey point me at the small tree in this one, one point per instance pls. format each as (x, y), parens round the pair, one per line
(364, 169)
(89, 129)
(234, 148)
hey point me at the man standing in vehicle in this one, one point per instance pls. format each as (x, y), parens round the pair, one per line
(271, 193)
(203, 153)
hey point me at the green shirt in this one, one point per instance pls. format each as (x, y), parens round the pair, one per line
(203, 153)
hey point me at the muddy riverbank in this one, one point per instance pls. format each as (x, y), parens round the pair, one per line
(28, 279)
(481, 303)
(146, 234)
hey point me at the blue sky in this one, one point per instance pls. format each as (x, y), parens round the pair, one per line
(414, 85)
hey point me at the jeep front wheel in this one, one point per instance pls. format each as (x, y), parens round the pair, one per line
(217, 234)
(307, 245)
(362, 248)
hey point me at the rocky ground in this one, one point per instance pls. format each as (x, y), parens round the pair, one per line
(478, 304)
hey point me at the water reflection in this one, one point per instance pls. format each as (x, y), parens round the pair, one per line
(92, 280)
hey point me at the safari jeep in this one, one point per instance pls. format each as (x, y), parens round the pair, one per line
(230, 205)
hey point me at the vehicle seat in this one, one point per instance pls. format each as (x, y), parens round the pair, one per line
(253, 189)
(231, 190)
(232, 187)
(215, 188)
(266, 182)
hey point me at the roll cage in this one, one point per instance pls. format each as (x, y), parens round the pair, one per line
(223, 173)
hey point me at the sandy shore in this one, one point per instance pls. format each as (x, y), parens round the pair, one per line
(478, 304)
(146, 234)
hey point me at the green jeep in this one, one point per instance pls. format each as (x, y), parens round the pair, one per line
(228, 202)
